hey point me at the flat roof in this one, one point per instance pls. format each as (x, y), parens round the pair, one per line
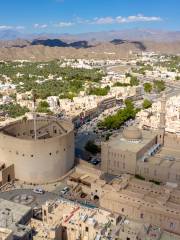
(160, 158)
(18, 210)
(4, 233)
(118, 142)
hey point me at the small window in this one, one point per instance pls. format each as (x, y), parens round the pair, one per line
(50, 153)
(142, 215)
(86, 229)
(32, 155)
(172, 225)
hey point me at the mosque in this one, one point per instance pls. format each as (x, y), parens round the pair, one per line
(153, 155)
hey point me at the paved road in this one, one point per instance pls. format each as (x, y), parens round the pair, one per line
(38, 199)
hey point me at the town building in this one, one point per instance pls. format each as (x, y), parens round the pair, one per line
(6, 234)
(137, 200)
(14, 218)
(143, 201)
(151, 154)
(67, 220)
(150, 118)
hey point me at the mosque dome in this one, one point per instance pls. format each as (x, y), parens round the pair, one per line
(132, 133)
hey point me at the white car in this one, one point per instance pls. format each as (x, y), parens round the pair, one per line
(38, 190)
(64, 190)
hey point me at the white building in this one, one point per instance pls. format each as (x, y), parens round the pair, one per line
(150, 117)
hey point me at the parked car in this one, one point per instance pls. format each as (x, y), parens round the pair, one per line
(64, 190)
(38, 190)
(95, 161)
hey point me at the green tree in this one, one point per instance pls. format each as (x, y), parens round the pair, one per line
(14, 110)
(43, 107)
(134, 81)
(129, 103)
(159, 86)
(115, 121)
(119, 84)
(147, 87)
(146, 104)
(99, 91)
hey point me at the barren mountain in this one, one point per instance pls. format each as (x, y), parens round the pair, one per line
(91, 45)
(105, 50)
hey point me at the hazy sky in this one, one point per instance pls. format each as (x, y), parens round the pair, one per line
(75, 16)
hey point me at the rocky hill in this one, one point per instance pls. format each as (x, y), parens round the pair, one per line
(107, 50)
(91, 45)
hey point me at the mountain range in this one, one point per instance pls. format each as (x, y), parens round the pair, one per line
(107, 45)
(127, 34)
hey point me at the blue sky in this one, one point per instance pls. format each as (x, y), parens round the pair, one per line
(76, 16)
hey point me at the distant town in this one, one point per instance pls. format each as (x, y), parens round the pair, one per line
(90, 149)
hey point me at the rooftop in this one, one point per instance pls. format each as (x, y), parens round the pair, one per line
(145, 195)
(13, 216)
(5, 233)
(8, 208)
(166, 157)
(119, 142)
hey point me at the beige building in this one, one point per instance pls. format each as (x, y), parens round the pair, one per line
(143, 201)
(121, 153)
(135, 199)
(5, 234)
(71, 221)
(13, 221)
(41, 151)
(150, 154)
(154, 155)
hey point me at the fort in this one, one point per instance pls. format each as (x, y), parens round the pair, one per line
(41, 150)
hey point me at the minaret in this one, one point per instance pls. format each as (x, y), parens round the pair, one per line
(162, 122)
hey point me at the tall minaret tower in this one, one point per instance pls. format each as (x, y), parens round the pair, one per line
(162, 122)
